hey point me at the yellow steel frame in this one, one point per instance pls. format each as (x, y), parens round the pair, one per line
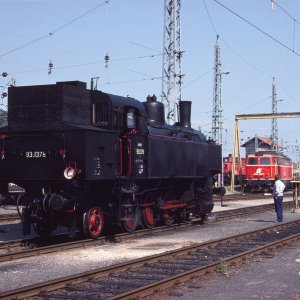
(236, 141)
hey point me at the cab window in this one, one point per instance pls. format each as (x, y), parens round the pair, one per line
(252, 161)
(265, 161)
(131, 119)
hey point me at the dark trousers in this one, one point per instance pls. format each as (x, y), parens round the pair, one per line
(278, 207)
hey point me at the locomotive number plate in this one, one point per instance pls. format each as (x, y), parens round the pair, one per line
(35, 154)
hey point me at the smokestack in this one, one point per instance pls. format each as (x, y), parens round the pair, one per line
(185, 113)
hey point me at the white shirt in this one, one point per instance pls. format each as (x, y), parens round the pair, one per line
(278, 188)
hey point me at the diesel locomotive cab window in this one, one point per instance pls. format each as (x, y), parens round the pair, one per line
(284, 162)
(264, 160)
(252, 161)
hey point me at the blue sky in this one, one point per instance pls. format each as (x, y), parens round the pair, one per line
(131, 32)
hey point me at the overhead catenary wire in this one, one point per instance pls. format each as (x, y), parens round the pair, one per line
(295, 21)
(233, 50)
(65, 25)
(259, 70)
(106, 56)
(150, 77)
(250, 106)
(86, 64)
(131, 81)
(286, 12)
(257, 28)
(55, 30)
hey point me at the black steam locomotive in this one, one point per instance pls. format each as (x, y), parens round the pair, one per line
(86, 158)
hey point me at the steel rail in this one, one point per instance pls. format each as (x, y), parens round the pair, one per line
(61, 283)
(237, 197)
(13, 255)
(8, 218)
(11, 247)
(183, 277)
(248, 211)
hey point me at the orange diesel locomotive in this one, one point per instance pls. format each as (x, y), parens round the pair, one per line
(262, 167)
(227, 169)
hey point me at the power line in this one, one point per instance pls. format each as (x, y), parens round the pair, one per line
(211, 22)
(246, 108)
(257, 28)
(89, 29)
(79, 17)
(129, 81)
(233, 50)
(296, 101)
(25, 45)
(197, 78)
(87, 64)
(248, 63)
(56, 30)
(287, 13)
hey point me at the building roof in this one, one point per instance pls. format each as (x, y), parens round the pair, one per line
(260, 140)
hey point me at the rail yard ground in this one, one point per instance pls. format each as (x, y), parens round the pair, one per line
(274, 276)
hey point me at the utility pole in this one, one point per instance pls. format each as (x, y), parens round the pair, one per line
(217, 112)
(274, 136)
(172, 54)
(217, 118)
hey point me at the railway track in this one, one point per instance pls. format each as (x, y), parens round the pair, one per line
(32, 247)
(5, 218)
(247, 211)
(145, 276)
(250, 196)
(37, 246)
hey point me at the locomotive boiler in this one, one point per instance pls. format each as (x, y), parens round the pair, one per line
(87, 159)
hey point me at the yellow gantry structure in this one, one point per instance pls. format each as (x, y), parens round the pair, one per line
(236, 141)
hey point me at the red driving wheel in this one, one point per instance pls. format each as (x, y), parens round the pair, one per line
(93, 222)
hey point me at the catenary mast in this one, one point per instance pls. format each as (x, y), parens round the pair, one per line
(217, 112)
(172, 54)
(274, 137)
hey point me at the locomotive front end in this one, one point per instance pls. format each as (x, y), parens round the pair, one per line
(43, 151)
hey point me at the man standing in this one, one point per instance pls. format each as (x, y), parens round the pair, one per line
(278, 197)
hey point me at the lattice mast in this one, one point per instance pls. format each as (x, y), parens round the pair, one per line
(217, 121)
(274, 136)
(172, 54)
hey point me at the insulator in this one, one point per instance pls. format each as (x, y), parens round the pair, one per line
(50, 67)
(3, 95)
(106, 59)
(4, 74)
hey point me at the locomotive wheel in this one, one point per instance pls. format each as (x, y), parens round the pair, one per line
(149, 217)
(93, 222)
(150, 214)
(131, 218)
(169, 216)
(42, 229)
